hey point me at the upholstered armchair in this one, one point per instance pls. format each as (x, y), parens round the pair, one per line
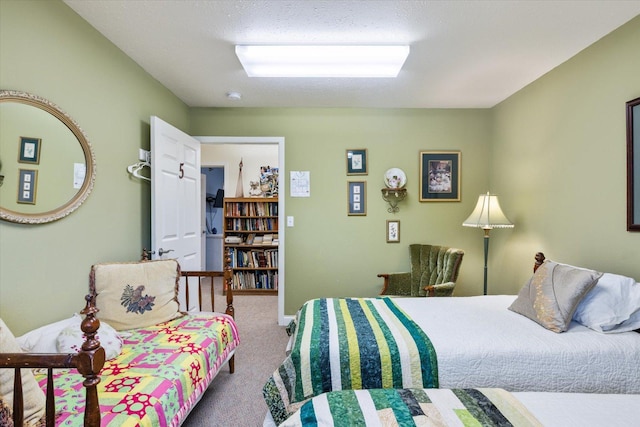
(434, 270)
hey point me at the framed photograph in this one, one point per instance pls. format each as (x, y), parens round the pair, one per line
(393, 231)
(439, 176)
(357, 197)
(27, 183)
(357, 162)
(29, 150)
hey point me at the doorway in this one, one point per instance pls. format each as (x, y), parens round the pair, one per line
(231, 177)
(213, 183)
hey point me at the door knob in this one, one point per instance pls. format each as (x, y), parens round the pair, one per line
(163, 251)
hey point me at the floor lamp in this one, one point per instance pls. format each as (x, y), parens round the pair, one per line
(487, 215)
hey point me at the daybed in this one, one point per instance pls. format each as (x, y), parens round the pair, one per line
(164, 359)
(526, 343)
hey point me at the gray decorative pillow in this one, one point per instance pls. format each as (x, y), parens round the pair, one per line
(552, 294)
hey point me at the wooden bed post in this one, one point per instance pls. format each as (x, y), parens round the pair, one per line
(539, 261)
(228, 282)
(91, 359)
(227, 287)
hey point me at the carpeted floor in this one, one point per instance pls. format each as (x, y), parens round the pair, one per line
(235, 400)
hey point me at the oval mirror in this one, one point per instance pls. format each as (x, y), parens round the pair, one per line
(47, 167)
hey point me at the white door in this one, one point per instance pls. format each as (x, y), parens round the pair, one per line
(175, 200)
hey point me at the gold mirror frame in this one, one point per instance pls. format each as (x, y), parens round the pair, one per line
(90, 174)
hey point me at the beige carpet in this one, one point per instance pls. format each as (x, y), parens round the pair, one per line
(235, 400)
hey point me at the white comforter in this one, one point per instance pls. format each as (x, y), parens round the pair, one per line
(480, 343)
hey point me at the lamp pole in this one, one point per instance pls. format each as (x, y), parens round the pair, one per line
(486, 256)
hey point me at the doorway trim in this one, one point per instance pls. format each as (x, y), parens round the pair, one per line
(273, 140)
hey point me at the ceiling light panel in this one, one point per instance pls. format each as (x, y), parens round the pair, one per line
(322, 61)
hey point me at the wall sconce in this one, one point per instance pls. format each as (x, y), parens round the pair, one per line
(393, 196)
(395, 180)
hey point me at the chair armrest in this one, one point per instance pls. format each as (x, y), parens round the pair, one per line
(393, 283)
(441, 290)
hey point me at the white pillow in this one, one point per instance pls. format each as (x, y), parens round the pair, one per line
(71, 338)
(613, 305)
(33, 396)
(43, 339)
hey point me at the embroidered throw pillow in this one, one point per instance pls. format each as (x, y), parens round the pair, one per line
(552, 294)
(33, 396)
(137, 294)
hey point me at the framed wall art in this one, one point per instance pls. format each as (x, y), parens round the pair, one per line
(357, 197)
(393, 231)
(357, 162)
(29, 150)
(27, 183)
(440, 176)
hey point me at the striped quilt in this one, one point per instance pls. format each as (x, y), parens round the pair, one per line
(350, 344)
(413, 407)
(158, 377)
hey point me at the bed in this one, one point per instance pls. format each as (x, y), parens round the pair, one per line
(458, 407)
(141, 362)
(518, 343)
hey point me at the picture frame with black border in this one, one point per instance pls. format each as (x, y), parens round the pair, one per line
(27, 186)
(357, 198)
(357, 161)
(393, 231)
(29, 150)
(440, 176)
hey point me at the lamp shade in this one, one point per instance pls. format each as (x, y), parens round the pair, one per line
(487, 214)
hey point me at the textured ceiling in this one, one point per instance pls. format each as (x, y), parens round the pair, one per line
(464, 54)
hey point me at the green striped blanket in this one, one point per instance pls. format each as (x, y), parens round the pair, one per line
(413, 407)
(350, 344)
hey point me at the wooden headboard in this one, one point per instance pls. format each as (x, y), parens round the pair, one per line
(539, 260)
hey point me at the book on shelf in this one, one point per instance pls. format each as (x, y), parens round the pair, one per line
(257, 240)
(267, 239)
(233, 239)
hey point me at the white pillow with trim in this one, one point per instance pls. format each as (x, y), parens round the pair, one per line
(71, 338)
(612, 306)
(43, 339)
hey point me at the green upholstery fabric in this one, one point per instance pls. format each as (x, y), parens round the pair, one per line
(430, 265)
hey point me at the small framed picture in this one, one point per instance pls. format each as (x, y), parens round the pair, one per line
(393, 231)
(357, 197)
(27, 184)
(439, 176)
(29, 150)
(357, 162)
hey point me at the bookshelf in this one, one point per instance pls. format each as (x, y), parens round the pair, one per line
(251, 244)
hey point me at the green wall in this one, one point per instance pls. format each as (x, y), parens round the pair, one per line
(48, 50)
(555, 152)
(558, 157)
(329, 253)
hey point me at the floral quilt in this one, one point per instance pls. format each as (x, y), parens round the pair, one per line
(158, 377)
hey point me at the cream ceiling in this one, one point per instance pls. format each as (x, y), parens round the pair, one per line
(464, 54)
